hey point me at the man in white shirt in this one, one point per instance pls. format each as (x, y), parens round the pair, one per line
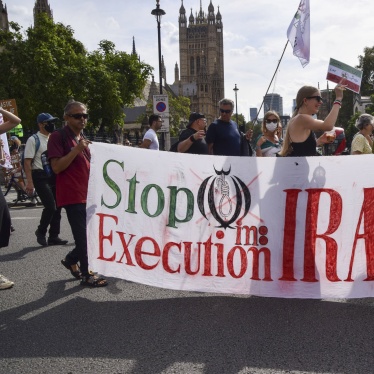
(150, 139)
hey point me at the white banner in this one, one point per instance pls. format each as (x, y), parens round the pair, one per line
(281, 227)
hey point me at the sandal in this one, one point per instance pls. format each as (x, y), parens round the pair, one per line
(76, 274)
(93, 281)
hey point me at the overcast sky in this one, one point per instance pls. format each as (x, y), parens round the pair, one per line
(254, 37)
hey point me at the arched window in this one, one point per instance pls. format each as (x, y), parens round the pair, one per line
(192, 66)
(197, 65)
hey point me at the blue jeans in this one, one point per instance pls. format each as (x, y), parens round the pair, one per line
(76, 214)
(51, 215)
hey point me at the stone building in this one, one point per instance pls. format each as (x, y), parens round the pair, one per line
(42, 6)
(201, 73)
(4, 24)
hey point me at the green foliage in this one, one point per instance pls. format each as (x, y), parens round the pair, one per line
(366, 64)
(47, 66)
(179, 111)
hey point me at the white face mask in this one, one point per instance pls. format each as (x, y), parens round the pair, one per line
(271, 126)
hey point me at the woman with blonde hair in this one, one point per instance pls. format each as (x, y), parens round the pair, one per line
(300, 139)
(362, 142)
(268, 143)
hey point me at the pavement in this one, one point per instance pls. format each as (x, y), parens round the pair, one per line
(51, 324)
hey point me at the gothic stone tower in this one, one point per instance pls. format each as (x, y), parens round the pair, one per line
(201, 60)
(42, 6)
(4, 24)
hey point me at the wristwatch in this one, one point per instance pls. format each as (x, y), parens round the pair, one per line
(192, 138)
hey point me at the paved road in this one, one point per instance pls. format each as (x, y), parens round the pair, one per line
(50, 324)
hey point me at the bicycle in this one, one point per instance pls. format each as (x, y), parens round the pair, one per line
(22, 196)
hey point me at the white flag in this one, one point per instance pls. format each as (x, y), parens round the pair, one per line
(298, 33)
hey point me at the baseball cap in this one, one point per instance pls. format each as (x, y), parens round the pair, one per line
(45, 117)
(193, 117)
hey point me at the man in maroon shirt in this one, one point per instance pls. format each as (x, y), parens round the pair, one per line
(70, 156)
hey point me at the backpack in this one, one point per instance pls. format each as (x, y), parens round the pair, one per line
(37, 145)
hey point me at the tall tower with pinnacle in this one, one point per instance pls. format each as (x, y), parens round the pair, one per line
(4, 24)
(42, 6)
(201, 59)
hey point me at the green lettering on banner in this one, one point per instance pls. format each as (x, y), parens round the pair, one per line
(132, 195)
(173, 205)
(160, 200)
(113, 185)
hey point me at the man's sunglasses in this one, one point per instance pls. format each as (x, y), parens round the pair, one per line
(271, 120)
(318, 98)
(227, 111)
(78, 115)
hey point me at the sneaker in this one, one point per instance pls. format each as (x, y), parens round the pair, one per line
(5, 283)
(56, 241)
(41, 239)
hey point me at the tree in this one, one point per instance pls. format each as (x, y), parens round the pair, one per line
(115, 80)
(366, 64)
(179, 110)
(48, 67)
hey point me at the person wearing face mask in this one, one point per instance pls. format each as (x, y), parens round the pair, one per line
(42, 181)
(268, 143)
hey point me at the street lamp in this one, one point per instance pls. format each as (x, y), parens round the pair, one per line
(236, 89)
(158, 13)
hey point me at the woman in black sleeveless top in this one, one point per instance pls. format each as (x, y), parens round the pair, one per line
(300, 139)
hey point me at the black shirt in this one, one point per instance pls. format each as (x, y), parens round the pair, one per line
(198, 147)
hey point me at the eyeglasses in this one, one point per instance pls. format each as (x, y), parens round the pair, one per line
(227, 111)
(272, 121)
(78, 115)
(318, 98)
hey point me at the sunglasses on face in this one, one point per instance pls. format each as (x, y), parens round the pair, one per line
(318, 98)
(78, 115)
(227, 111)
(271, 121)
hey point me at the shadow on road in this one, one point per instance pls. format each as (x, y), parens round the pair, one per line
(224, 334)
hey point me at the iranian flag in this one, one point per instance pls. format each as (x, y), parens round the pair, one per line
(339, 72)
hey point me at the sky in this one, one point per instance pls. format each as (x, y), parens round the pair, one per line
(254, 37)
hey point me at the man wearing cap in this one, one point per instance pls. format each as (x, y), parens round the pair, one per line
(44, 184)
(192, 139)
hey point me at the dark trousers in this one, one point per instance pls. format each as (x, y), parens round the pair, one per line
(51, 215)
(76, 214)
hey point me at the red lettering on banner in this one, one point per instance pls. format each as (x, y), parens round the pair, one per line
(243, 262)
(187, 257)
(289, 235)
(102, 237)
(139, 253)
(248, 231)
(367, 213)
(125, 246)
(220, 262)
(314, 195)
(207, 258)
(165, 257)
(256, 263)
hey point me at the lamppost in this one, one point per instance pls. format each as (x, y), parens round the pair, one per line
(236, 89)
(158, 13)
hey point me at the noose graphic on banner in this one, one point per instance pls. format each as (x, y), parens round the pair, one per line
(225, 192)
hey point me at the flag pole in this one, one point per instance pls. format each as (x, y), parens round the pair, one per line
(254, 121)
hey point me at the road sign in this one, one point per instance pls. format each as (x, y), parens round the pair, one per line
(9, 105)
(160, 104)
(165, 124)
